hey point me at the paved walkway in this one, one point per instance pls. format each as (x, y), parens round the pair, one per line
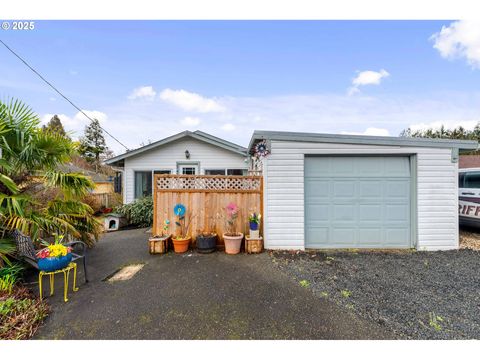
(194, 296)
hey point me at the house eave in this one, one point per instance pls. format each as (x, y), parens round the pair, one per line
(260, 135)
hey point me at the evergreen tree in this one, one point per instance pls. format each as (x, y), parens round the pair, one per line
(459, 133)
(92, 145)
(55, 126)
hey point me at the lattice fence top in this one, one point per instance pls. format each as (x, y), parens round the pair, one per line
(208, 183)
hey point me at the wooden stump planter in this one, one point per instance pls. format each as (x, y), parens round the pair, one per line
(158, 245)
(206, 243)
(253, 245)
(181, 245)
(233, 243)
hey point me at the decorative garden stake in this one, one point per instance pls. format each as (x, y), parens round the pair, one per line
(233, 239)
(159, 244)
(181, 242)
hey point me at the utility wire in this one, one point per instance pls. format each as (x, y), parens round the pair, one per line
(58, 91)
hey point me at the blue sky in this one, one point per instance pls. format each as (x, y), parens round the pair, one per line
(231, 77)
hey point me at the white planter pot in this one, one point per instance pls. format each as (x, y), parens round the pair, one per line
(254, 234)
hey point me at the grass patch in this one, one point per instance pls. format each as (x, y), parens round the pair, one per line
(346, 293)
(304, 283)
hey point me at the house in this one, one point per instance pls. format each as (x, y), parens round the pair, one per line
(104, 184)
(324, 190)
(187, 153)
(342, 191)
(469, 161)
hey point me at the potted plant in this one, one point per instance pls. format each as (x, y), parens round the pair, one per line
(207, 239)
(158, 244)
(232, 238)
(55, 256)
(254, 221)
(181, 242)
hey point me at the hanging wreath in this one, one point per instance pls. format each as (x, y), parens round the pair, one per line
(261, 149)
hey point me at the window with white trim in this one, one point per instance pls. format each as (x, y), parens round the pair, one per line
(214, 171)
(237, 172)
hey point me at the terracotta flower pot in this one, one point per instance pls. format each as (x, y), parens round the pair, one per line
(181, 245)
(233, 243)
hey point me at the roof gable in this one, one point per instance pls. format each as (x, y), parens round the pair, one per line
(198, 135)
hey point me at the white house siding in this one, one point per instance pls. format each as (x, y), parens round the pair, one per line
(437, 194)
(165, 157)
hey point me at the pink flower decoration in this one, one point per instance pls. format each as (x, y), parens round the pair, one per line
(231, 209)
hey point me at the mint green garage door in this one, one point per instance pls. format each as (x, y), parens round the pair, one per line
(357, 202)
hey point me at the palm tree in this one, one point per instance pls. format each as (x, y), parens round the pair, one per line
(35, 196)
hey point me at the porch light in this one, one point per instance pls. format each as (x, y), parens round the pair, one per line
(187, 154)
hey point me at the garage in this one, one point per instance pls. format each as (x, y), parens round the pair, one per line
(357, 202)
(330, 191)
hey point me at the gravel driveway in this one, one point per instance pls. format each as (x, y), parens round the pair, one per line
(416, 295)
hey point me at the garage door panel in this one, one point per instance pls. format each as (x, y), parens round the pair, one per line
(318, 188)
(397, 189)
(396, 237)
(342, 236)
(370, 189)
(357, 202)
(343, 189)
(370, 237)
(368, 166)
(318, 213)
(397, 166)
(342, 166)
(343, 213)
(319, 234)
(370, 212)
(397, 213)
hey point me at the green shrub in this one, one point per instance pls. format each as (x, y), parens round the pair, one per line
(138, 213)
(6, 283)
(9, 275)
(14, 270)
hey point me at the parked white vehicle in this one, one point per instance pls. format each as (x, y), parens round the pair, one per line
(469, 196)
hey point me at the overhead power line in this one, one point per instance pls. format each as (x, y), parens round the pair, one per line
(58, 91)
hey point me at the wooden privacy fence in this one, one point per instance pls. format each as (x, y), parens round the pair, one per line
(205, 197)
(99, 200)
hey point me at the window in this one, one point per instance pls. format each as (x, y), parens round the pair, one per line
(214, 171)
(188, 170)
(461, 178)
(472, 180)
(143, 184)
(236, 171)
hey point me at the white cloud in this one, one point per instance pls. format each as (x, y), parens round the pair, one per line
(190, 121)
(368, 77)
(373, 131)
(228, 127)
(143, 92)
(461, 39)
(191, 101)
(94, 114)
(136, 121)
(447, 124)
